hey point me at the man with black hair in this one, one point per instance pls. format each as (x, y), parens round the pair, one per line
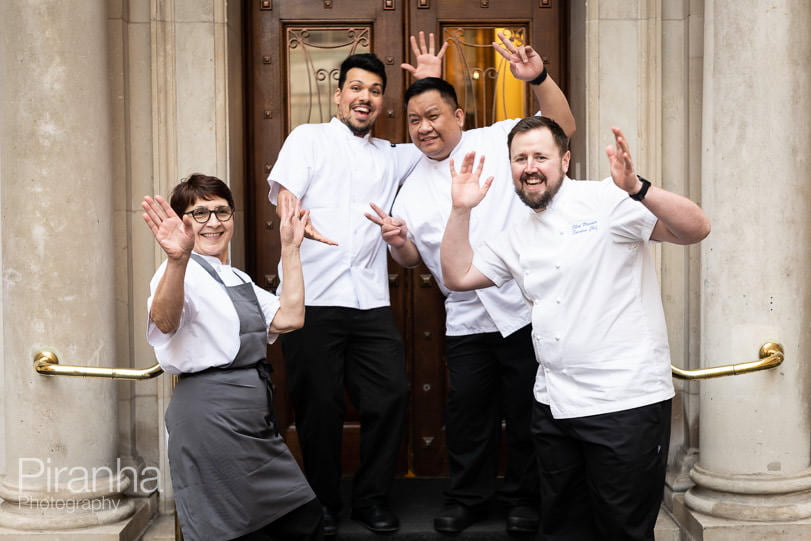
(349, 340)
(490, 361)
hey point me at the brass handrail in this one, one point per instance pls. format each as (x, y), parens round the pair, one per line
(47, 363)
(771, 355)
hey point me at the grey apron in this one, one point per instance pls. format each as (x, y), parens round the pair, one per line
(231, 471)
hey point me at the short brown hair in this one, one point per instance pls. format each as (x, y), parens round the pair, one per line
(536, 123)
(198, 186)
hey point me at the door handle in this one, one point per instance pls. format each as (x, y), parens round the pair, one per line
(771, 355)
(47, 363)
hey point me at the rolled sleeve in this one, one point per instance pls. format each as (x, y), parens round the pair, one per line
(292, 169)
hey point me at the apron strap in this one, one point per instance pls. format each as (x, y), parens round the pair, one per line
(264, 370)
(207, 266)
(209, 269)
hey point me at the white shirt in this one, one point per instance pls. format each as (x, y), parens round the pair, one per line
(424, 203)
(336, 175)
(598, 326)
(208, 334)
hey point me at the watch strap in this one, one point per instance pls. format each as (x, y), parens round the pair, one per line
(640, 195)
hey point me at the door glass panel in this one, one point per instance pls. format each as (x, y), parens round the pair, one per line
(314, 56)
(486, 89)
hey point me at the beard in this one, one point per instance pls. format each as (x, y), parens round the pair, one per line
(538, 201)
(357, 129)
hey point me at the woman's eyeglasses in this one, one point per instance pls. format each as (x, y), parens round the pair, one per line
(202, 215)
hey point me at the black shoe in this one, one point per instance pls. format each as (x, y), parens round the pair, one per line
(522, 519)
(329, 522)
(454, 518)
(377, 518)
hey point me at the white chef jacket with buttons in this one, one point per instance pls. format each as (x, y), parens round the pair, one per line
(424, 203)
(208, 334)
(598, 326)
(336, 175)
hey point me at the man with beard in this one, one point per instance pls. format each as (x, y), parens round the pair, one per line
(582, 258)
(491, 365)
(349, 340)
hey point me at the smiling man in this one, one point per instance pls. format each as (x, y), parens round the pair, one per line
(582, 258)
(491, 365)
(349, 340)
(532, 184)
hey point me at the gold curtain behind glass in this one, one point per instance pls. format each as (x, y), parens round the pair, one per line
(486, 89)
(314, 56)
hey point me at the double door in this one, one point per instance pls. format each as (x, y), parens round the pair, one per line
(293, 51)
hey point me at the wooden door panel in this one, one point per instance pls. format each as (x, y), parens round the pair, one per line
(284, 39)
(426, 345)
(274, 28)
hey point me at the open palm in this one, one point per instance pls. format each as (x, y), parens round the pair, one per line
(293, 221)
(525, 62)
(174, 235)
(466, 192)
(622, 166)
(429, 63)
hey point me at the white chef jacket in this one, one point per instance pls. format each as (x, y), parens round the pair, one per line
(424, 203)
(208, 334)
(336, 175)
(598, 326)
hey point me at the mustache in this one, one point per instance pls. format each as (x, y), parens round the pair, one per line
(536, 176)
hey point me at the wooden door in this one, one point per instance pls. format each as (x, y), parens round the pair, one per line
(293, 51)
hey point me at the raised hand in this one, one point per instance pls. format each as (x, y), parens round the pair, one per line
(525, 63)
(428, 63)
(622, 168)
(173, 234)
(465, 189)
(310, 232)
(292, 221)
(394, 230)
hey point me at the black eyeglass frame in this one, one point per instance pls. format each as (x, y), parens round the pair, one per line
(216, 211)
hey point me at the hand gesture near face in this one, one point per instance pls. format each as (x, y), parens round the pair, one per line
(428, 63)
(394, 230)
(292, 221)
(622, 168)
(466, 192)
(173, 234)
(287, 199)
(525, 63)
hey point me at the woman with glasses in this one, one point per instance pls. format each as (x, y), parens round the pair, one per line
(232, 474)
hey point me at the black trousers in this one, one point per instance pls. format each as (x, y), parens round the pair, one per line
(602, 476)
(490, 379)
(360, 351)
(300, 524)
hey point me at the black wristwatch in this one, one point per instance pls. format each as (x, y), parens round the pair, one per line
(640, 195)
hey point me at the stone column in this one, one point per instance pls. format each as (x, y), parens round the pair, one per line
(755, 429)
(57, 257)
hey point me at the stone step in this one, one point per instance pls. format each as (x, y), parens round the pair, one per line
(416, 501)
